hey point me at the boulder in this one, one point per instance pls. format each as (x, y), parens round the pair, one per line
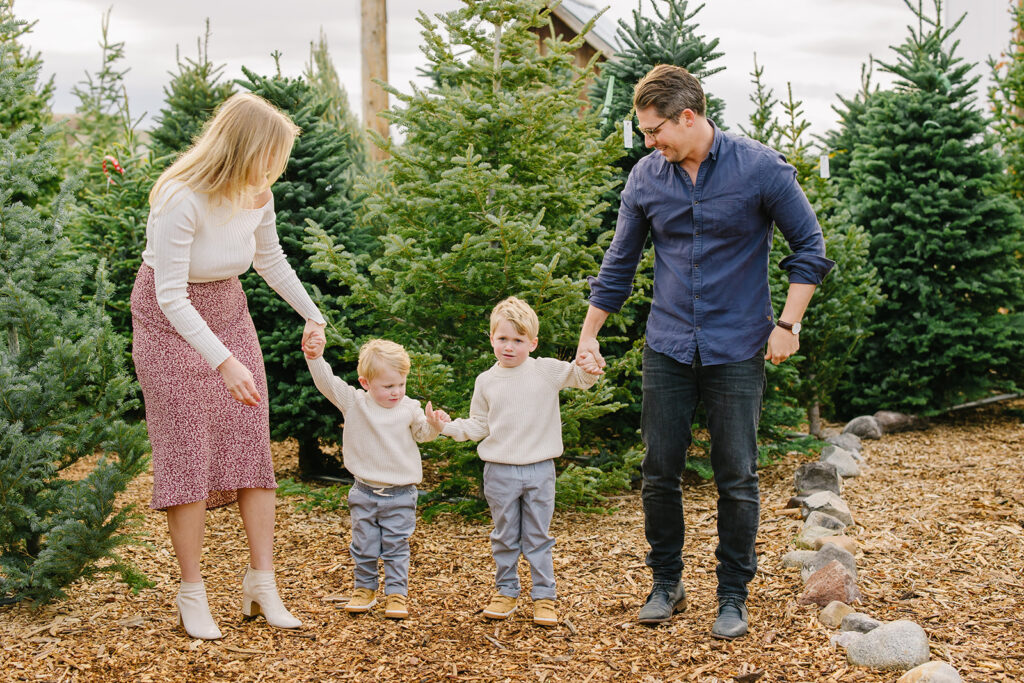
(932, 672)
(808, 535)
(830, 553)
(796, 501)
(833, 613)
(844, 639)
(891, 422)
(861, 623)
(831, 448)
(896, 645)
(844, 462)
(850, 442)
(844, 542)
(831, 582)
(864, 426)
(818, 518)
(797, 558)
(817, 476)
(830, 504)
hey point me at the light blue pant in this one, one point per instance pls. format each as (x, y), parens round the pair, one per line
(382, 522)
(522, 501)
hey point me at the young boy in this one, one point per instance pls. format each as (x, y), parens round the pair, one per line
(382, 427)
(514, 414)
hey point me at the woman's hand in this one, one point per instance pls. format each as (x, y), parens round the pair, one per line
(313, 339)
(239, 381)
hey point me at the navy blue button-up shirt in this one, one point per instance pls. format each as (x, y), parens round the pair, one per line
(711, 242)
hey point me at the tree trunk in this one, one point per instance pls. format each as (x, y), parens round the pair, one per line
(814, 419)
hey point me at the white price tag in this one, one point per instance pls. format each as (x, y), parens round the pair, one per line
(823, 166)
(627, 133)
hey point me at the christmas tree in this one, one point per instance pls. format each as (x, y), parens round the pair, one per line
(1006, 95)
(314, 187)
(924, 180)
(492, 194)
(63, 386)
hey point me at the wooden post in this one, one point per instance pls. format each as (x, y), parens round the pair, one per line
(374, 43)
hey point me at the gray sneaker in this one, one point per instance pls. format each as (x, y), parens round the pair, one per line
(732, 618)
(664, 600)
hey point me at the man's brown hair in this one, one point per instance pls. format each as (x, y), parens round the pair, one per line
(670, 90)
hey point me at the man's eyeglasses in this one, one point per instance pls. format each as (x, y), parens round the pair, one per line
(653, 132)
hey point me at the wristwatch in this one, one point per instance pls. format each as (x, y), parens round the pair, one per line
(792, 327)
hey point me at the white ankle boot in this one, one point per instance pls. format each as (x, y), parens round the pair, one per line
(194, 611)
(259, 596)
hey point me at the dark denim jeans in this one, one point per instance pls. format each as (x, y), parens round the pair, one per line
(732, 400)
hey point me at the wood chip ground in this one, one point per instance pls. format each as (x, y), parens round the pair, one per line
(940, 518)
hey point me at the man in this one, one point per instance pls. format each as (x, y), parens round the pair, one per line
(708, 201)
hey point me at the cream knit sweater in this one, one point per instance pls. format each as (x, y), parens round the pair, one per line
(514, 412)
(378, 444)
(189, 239)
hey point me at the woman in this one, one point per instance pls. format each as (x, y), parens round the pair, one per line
(195, 348)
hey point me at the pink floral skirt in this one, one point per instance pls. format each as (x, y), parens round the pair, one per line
(206, 445)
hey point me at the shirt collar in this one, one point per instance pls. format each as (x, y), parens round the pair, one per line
(716, 143)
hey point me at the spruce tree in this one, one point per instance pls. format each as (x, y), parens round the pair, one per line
(63, 386)
(924, 181)
(314, 187)
(189, 101)
(492, 194)
(1006, 96)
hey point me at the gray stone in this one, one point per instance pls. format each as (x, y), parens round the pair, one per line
(830, 504)
(891, 422)
(932, 672)
(896, 645)
(850, 442)
(865, 426)
(862, 623)
(797, 501)
(831, 582)
(844, 462)
(819, 518)
(844, 638)
(830, 553)
(797, 558)
(833, 613)
(831, 448)
(808, 535)
(817, 476)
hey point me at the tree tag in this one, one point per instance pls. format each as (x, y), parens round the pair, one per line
(627, 133)
(823, 166)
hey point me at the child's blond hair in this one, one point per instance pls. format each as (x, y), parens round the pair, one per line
(517, 312)
(376, 354)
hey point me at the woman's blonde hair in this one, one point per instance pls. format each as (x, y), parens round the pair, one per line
(246, 138)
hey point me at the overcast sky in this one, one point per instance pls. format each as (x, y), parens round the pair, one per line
(818, 45)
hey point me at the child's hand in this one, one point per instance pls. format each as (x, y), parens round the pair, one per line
(436, 418)
(589, 363)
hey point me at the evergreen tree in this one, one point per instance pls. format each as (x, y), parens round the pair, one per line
(1006, 95)
(314, 187)
(189, 101)
(63, 385)
(923, 180)
(492, 194)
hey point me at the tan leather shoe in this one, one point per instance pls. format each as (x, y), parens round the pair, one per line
(544, 613)
(500, 607)
(361, 601)
(396, 606)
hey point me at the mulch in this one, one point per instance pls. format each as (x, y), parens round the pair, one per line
(940, 517)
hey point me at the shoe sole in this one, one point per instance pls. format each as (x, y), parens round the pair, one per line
(678, 607)
(396, 615)
(719, 636)
(545, 622)
(360, 609)
(499, 615)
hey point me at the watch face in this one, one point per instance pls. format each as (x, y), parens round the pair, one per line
(796, 328)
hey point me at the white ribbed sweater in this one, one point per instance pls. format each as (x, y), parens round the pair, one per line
(189, 239)
(378, 444)
(514, 412)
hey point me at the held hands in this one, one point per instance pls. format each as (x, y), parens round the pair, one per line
(781, 345)
(436, 418)
(588, 356)
(239, 381)
(313, 340)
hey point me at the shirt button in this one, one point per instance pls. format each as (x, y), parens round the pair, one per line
(696, 296)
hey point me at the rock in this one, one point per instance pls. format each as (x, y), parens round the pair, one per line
(831, 448)
(861, 623)
(865, 426)
(850, 442)
(932, 672)
(796, 501)
(808, 535)
(819, 518)
(830, 504)
(817, 476)
(896, 645)
(831, 582)
(830, 553)
(844, 462)
(844, 542)
(797, 558)
(844, 639)
(891, 422)
(833, 613)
